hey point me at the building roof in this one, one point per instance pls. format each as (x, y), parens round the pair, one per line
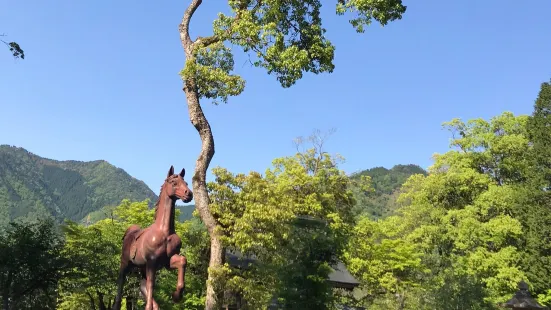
(340, 276)
(522, 299)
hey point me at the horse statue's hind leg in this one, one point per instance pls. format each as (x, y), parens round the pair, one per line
(150, 273)
(143, 289)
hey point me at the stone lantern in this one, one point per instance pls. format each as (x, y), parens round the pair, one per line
(522, 299)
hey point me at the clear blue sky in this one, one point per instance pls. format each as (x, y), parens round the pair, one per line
(100, 81)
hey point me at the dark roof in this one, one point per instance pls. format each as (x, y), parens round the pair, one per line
(522, 299)
(340, 276)
(236, 259)
(346, 307)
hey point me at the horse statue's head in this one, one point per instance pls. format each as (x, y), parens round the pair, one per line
(176, 187)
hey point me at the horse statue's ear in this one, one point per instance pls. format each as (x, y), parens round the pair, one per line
(170, 171)
(183, 172)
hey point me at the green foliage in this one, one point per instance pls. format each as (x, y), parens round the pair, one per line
(31, 264)
(367, 10)
(285, 38)
(293, 221)
(14, 48)
(32, 186)
(462, 232)
(538, 132)
(384, 261)
(212, 71)
(94, 253)
(535, 208)
(463, 209)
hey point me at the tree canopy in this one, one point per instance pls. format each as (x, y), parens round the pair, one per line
(287, 39)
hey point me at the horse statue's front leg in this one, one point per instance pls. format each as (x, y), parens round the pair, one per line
(179, 262)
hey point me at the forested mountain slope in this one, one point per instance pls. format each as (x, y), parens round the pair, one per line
(33, 186)
(386, 183)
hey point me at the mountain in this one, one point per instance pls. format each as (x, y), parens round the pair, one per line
(386, 184)
(32, 186)
(186, 213)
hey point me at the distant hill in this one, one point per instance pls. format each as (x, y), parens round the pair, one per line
(386, 183)
(186, 213)
(33, 186)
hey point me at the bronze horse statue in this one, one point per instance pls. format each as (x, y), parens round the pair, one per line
(157, 246)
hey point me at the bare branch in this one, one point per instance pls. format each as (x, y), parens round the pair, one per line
(206, 41)
(298, 142)
(184, 25)
(318, 139)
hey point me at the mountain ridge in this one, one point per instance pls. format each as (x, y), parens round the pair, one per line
(31, 185)
(386, 184)
(84, 191)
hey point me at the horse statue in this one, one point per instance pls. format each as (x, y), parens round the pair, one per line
(157, 246)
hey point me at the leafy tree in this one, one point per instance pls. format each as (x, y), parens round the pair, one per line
(385, 262)
(30, 264)
(467, 204)
(535, 210)
(14, 48)
(470, 219)
(539, 133)
(293, 221)
(286, 39)
(94, 252)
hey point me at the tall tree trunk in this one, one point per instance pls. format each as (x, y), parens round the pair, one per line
(6, 292)
(92, 303)
(5, 302)
(101, 302)
(129, 303)
(200, 194)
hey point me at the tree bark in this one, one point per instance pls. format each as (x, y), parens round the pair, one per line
(101, 302)
(5, 302)
(129, 303)
(6, 292)
(201, 124)
(92, 302)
